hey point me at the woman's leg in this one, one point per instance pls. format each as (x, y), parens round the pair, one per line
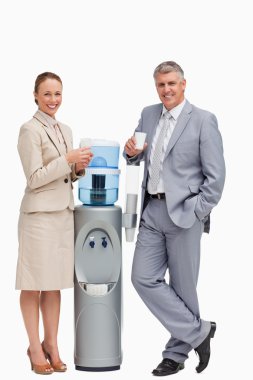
(29, 303)
(50, 302)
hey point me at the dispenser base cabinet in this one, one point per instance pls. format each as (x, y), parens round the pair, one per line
(97, 290)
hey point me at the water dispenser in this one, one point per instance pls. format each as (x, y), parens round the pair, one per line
(97, 290)
(98, 257)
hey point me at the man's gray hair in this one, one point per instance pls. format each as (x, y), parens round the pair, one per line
(168, 67)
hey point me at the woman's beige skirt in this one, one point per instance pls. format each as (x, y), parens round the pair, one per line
(46, 250)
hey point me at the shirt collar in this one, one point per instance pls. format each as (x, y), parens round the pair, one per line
(49, 120)
(175, 112)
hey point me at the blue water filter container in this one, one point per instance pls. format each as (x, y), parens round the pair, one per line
(98, 257)
(99, 186)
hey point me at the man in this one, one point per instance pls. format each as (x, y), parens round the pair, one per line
(183, 180)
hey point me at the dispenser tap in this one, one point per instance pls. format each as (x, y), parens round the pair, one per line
(92, 242)
(104, 242)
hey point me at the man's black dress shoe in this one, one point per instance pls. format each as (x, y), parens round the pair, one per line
(204, 350)
(167, 367)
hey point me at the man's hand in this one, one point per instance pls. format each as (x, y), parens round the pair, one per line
(130, 147)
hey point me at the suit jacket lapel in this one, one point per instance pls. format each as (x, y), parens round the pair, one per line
(180, 126)
(49, 132)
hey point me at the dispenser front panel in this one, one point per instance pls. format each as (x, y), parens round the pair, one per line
(98, 336)
(98, 257)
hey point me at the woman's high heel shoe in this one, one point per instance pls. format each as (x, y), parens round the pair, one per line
(40, 369)
(58, 366)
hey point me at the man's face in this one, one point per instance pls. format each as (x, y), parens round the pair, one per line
(170, 88)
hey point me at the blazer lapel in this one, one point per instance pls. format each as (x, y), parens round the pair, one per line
(180, 126)
(66, 136)
(48, 130)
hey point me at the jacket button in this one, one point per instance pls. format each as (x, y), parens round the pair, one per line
(66, 180)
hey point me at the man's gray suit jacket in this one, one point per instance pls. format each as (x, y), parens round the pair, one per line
(193, 167)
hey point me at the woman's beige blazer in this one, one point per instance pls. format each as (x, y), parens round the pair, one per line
(49, 176)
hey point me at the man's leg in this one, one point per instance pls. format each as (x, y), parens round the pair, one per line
(183, 249)
(149, 267)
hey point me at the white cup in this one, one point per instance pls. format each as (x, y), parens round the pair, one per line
(140, 139)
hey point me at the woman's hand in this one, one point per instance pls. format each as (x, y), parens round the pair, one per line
(130, 147)
(79, 168)
(80, 157)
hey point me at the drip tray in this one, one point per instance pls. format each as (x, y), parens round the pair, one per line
(97, 289)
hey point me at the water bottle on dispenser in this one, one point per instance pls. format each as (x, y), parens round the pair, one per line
(99, 186)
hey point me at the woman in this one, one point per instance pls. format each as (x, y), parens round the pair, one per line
(46, 226)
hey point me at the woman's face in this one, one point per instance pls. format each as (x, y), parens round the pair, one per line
(49, 96)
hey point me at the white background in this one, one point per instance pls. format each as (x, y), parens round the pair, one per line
(105, 52)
